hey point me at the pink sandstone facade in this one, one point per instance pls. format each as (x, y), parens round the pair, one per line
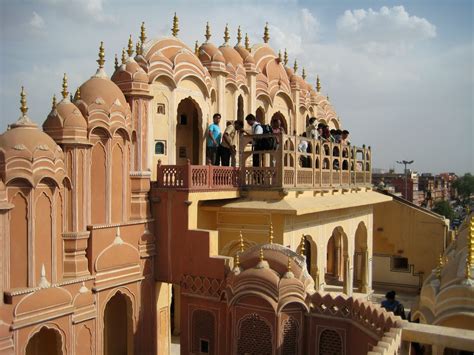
(94, 230)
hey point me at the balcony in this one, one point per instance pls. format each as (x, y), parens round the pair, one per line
(296, 163)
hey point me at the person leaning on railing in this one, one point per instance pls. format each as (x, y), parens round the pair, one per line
(256, 129)
(228, 147)
(213, 140)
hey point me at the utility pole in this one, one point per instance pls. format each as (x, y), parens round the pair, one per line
(405, 163)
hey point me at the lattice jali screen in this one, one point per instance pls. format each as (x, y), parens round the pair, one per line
(330, 343)
(290, 337)
(255, 336)
(203, 328)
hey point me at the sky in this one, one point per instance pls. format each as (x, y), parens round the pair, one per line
(399, 73)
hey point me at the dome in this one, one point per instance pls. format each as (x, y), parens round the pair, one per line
(102, 92)
(129, 72)
(209, 53)
(245, 54)
(30, 153)
(66, 124)
(231, 56)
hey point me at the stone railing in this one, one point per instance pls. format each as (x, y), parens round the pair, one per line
(295, 163)
(299, 162)
(197, 177)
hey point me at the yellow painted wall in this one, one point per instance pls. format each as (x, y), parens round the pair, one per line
(407, 231)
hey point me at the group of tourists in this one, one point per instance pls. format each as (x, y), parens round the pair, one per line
(221, 149)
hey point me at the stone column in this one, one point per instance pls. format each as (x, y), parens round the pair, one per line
(347, 288)
(364, 277)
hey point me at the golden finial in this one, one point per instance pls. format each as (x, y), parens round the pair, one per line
(318, 84)
(208, 32)
(124, 57)
(226, 34)
(237, 260)
(77, 95)
(470, 243)
(261, 255)
(439, 268)
(23, 107)
(279, 56)
(302, 249)
(327, 97)
(65, 92)
(239, 36)
(303, 74)
(53, 106)
(266, 35)
(142, 33)
(289, 264)
(196, 48)
(285, 57)
(101, 60)
(130, 47)
(70, 97)
(247, 42)
(175, 28)
(271, 233)
(116, 63)
(241, 244)
(138, 48)
(295, 66)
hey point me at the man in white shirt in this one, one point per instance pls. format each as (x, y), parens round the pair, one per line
(256, 129)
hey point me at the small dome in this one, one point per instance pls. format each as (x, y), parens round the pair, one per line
(131, 71)
(245, 54)
(210, 53)
(66, 124)
(103, 93)
(231, 56)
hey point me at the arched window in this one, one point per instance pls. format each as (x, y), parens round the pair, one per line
(290, 337)
(255, 336)
(330, 343)
(46, 341)
(160, 147)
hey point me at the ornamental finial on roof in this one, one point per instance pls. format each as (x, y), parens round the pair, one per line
(470, 249)
(142, 33)
(138, 47)
(237, 260)
(289, 264)
(101, 59)
(175, 28)
(208, 32)
(65, 93)
(295, 66)
(241, 242)
(77, 95)
(130, 47)
(439, 268)
(116, 63)
(327, 97)
(266, 35)
(261, 256)
(23, 107)
(226, 34)
(271, 233)
(302, 248)
(124, 56)
(279, 56)
(247, 42)
(239, 36)
(318, 84)
(303, 74)
(285, 57)
(196, 48)
(53, 106)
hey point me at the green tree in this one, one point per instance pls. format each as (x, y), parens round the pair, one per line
(444, 208)
(465, 186)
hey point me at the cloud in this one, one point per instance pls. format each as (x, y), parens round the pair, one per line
(36, 21)
(82, 10)
(387, 31)
(310, 23)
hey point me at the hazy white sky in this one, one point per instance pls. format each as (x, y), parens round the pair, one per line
(400, 74)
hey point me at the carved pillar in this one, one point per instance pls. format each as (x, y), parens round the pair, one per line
(337, 262)
(364, 277)
(347, 288)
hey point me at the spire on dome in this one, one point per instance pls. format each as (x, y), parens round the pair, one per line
(24, 120)
(303, 74)
(266, 35)
(295, 66)
(318, 84)
(239, 36)
(138, 47)
(271, 233)
(302, 248)
(279, 56)
(101, 59)
(142, 33)
(124, 57)
(196, 48)
(116, 63)
(175, 28)
(226, 34)
(53, 105)
(285, 58)
(208, 32)
(23, 107)
(77, 95)
(261, 256)
(241, 242)
(65, 93)
(130, 47)
(247, 42)
(327, 97)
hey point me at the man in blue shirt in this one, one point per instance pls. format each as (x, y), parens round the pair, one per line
(213, 140)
